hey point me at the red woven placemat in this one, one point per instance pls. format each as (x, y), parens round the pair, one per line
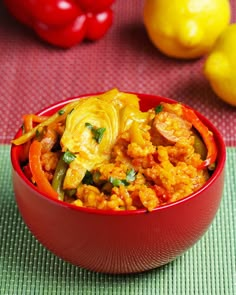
(34, 74)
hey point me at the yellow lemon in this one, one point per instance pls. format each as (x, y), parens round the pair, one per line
(220, 65)
(185, 28)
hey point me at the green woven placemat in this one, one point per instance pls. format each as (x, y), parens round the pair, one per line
(26, 267)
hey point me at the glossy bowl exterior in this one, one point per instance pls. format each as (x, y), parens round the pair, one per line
(119, 242)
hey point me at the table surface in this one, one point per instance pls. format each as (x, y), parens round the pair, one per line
(34, 75)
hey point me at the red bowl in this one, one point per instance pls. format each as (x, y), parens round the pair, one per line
(119, 242)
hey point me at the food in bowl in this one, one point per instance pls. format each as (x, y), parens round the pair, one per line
(103, 152)
(120, 241)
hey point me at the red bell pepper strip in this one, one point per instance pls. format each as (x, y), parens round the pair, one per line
(29, 121)
(37, 172)
(162, 194)
(207, 136)
(64, 23)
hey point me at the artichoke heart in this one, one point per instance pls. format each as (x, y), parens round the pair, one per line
(129, 114)
(89, 117)
(120, 99)
(127, 105)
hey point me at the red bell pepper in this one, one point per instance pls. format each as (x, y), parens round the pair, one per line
(64, 23)
(29, 121)
(206, 134)
(37, 171)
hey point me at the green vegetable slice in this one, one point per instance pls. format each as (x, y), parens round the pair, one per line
(58, 178)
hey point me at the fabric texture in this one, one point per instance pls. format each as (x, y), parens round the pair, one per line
(27, 268)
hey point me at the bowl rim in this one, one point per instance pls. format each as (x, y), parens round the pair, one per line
(221, 158)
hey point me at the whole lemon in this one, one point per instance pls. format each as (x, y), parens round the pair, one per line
(185, 28)
(220, 65)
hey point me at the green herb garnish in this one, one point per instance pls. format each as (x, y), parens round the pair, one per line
(118, 182)
(97, 132)
(89, 126)
(61, 112)
(158, 108)
(130, 176)
(68, 157)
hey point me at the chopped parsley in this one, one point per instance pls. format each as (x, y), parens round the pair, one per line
(68, 157)
(97, 132)
(89, 126)
(130, 176)
(158, 108)
(118, 182)
(61, 112)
